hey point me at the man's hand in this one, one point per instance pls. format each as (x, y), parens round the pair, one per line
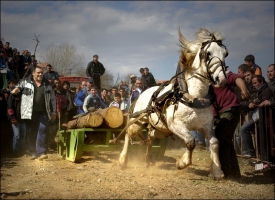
(265, 103)
(53, 117)
(14, 121)
(15, 91)
(251, 105)
(245, 94)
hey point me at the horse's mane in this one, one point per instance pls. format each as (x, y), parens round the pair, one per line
(189, 49)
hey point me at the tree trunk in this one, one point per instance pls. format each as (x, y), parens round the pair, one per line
(112, 116)
(89, 120)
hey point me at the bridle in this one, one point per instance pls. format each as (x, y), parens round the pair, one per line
(203, 55)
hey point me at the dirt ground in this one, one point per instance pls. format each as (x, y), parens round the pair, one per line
(98, 176)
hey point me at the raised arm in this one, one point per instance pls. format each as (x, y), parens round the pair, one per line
(85, 104)
(244, 92)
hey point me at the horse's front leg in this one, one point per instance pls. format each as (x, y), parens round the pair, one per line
(149, 155)
(124, 153)
(178, 128)
(186, 159)
(215, 166)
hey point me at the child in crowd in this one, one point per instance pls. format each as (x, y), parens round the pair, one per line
(122, 104)
(93, 100)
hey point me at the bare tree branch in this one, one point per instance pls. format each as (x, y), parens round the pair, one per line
(63, 58)
(107, 80)
(37, 41)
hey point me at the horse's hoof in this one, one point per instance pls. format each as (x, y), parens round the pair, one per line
(122, 162)
(180, 165)
(122, 167)
(218, 178)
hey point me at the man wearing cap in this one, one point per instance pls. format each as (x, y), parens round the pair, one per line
(82, 94)
(95, 69)
(132, 83)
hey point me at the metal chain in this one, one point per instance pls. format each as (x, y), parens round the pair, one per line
(131, 140)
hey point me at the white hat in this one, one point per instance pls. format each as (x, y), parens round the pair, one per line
(133, 76)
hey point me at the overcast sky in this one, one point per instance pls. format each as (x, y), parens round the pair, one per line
(128, 35)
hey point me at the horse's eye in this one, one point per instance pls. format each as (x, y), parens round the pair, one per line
(208, 54)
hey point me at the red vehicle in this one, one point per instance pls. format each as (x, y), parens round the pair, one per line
(73, 80)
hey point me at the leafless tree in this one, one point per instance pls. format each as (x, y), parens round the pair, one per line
(80, 71)
(64, 59)
(126, 78)
(37, 42)
(107, 80)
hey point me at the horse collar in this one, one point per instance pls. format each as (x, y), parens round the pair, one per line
(201, 102)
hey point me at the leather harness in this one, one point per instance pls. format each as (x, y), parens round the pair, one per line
(179, 91)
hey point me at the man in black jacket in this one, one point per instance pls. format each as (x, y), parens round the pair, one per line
(148, 78)
(271, 84)
(95, 69)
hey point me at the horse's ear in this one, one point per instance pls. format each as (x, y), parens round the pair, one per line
(182, 39)
(202, 54)
(227, 52)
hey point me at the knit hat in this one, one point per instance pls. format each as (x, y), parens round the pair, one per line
(133, 76)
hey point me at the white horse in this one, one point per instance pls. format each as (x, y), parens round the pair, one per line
(201, 62)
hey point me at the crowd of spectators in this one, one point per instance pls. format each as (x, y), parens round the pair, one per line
(71, 101)
(17, 69)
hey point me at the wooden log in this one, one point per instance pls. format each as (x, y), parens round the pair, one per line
(89, 120)
(112, 116)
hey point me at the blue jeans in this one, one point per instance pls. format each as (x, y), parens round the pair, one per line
(198, 137)
(19, 136)
(9, 75)
(37, 133)
(247, 138)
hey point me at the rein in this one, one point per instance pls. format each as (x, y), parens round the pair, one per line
(203, 55)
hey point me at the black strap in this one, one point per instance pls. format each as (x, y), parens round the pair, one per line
(203, 102)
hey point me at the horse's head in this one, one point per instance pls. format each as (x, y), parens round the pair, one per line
(205, 56)
(212, 57)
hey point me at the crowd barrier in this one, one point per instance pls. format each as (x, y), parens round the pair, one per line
(263, 136)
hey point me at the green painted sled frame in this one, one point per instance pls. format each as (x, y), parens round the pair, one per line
(72, 142)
